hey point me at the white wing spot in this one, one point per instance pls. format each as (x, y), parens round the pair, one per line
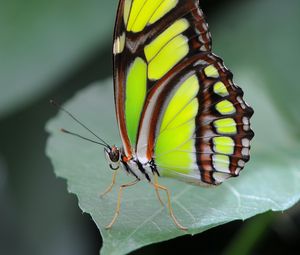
(245, 120)
(237, 171)
(245, 142)
(119, 44)
(246, 127)
(203, 48)
(245, 151)
(240, 100)
(241, 163)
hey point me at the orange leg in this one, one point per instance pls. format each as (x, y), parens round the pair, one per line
(157, 190)
(109, 188)
(157, 187)
(117, 211)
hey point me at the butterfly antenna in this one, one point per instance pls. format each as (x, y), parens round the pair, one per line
(54, 103)
(81, 137)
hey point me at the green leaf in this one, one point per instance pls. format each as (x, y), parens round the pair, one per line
(41, 42)
(269, 182)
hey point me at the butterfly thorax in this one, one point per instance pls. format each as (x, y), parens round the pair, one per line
(140, 169)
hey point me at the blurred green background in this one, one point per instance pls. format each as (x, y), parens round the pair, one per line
(52, 49)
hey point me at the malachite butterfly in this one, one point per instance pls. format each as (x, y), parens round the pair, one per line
(179, 113)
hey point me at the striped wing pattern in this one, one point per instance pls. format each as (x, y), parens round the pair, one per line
(176, 102)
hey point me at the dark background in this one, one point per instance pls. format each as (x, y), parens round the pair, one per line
(37, 215)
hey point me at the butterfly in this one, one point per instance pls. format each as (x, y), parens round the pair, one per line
(178, 111)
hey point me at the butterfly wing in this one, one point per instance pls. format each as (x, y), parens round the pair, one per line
(175, 100)
(145, 48)
(204, 132)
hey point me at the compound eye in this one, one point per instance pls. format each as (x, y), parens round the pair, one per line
(114, 162)
(114, 155)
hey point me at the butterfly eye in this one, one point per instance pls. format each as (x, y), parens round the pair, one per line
(113, 158)
(114, 155)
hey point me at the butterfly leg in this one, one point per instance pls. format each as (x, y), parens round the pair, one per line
(157, 190)
(117, 211)
(109, 188)
(158, 186)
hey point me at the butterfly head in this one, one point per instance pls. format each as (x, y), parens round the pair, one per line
(113, 156)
